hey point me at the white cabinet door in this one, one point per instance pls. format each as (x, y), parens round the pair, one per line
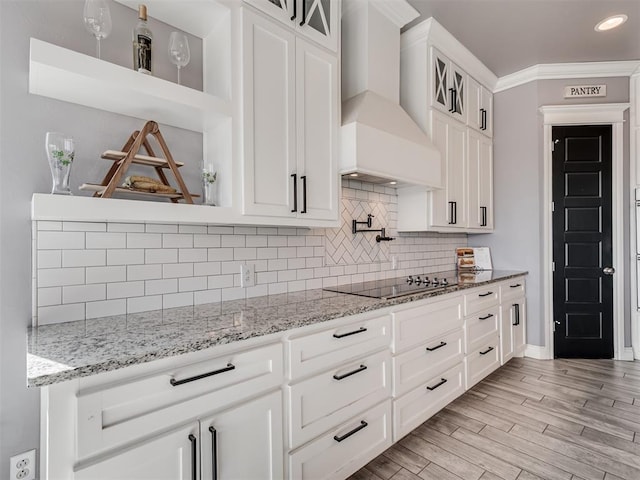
(245, 442)
(441, 97)
(457, 89)
(480, 180)
(486, 105)
(512, 330)
(474, 100)
(269, 117)
(171, 456)
(318, 20)
(449, 205)
(317, 120)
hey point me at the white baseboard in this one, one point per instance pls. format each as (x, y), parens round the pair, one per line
(536, 351)
(626, 354)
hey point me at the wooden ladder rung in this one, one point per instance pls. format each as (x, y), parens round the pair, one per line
(116, 155)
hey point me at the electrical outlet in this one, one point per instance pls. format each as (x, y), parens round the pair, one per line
(23, 466)
(247, 275)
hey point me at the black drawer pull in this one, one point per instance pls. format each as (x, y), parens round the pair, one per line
(486, 351)
(515, 286)
(214, 453)
(342, 335)
(295, 193)
(194, 457)
(439, 384)
(516, 307)
(362, 425)
(485, 294)
(362, 368)
(228, 368)
(431, 349)
(486, 317)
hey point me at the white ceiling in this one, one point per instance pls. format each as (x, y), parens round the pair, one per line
(510, 35)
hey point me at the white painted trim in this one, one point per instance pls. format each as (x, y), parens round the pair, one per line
(634, 151)
(612, 114)
(400, 12)
(536, 351)
(435, 34)
(554, 71)
(627, 354)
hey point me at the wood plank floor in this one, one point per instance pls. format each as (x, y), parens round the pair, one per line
(531, 419)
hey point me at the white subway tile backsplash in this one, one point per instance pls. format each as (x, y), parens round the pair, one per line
(58, 277)
(106, 274)
(49, 259)
(84, 258)
(160, 287)
(88, 269)
(125, 257)
(125, 289)
(144, 272)
(144, 304)
(192, 255)
(144, 240)
(161, 255)
(106, 308)
(48, 240)
(106, 240)
(84, 293)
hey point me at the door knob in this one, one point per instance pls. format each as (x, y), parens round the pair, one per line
(557, 322)
(608, 270)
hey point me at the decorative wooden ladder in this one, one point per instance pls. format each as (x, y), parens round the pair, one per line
(129, 155)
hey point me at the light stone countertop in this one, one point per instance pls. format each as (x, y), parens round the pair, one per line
(64, 351)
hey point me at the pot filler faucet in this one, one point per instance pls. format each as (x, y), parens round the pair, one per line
(381, 237)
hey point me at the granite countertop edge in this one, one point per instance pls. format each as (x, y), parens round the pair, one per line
(43, 372)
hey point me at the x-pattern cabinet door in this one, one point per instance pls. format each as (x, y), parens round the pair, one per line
(440, 81)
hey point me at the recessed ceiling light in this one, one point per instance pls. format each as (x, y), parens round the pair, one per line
(353, 174)
(393, 183)
(611, 22)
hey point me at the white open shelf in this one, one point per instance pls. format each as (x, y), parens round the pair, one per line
(70, 76)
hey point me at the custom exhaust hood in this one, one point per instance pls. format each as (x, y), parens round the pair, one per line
(379, 140)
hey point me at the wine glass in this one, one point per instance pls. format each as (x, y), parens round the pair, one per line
(179, 53)
(97, 20)
(60, 153)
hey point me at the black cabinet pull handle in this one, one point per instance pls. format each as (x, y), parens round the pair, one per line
(439, 384)
(484, 216)
(455, 213)
(486, 351)
(228, 368)
(304, 11)
(214, 453)
(362, 425)
(304, 194)
(431, 349)
(362, 368)
(486, 317)
(342, 335)
(451, 221)
(295, 10)
(483, 117)
(485, 294)
(452, 98)
(515, 286)
(194, 458)
(295, 192)
(516, 307)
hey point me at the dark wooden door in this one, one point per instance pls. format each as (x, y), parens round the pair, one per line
(582, 246)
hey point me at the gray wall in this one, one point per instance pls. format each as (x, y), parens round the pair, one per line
(24, 119)
(518, 178)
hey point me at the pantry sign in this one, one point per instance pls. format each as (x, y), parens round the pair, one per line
(581, 91)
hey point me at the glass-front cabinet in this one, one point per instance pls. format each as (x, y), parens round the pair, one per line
(315, 19)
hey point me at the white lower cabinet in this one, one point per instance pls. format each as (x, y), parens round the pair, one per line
(346, 448)
(512, 334)
(481, 362)
(243, 442)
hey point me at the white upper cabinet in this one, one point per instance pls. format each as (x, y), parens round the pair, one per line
(448, 86)
(480, 108)
(291, 119)
(317, 20)
(480, 171)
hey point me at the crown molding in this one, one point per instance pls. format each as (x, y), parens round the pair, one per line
(555, 71)
(576, 114)
(400, 12)
(433, 33)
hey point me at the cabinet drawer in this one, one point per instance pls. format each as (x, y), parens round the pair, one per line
(120, 413)
(417, 366)
(322, 350)
(512, 289)
(480, 327)
(481, 362)
(480, 299)
(325, 400)
(424, 401)
(346, 448)
(414, 326)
